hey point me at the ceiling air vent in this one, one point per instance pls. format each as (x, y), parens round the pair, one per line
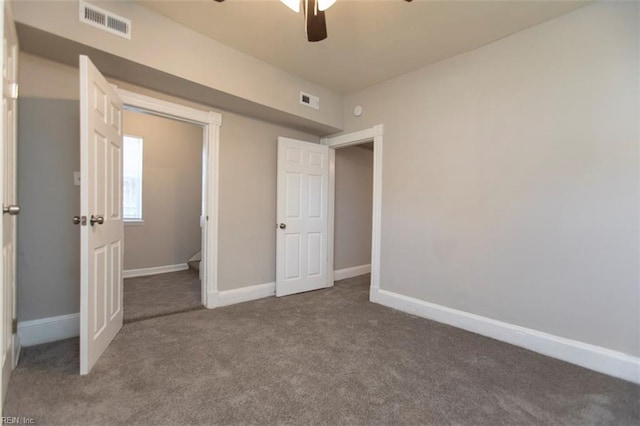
(105, 20)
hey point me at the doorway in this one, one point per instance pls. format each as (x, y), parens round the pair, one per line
(353, 212)
(372, 135)
(162, 206)
(210, 123)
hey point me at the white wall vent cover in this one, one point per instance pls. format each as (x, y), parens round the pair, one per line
(310, 100)
(103, 19)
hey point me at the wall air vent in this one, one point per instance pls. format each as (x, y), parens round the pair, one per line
(105, 20)
(309, 100)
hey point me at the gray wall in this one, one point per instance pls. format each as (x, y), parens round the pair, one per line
(48, 242)
(247, 212)
(510, 182)
(353, 206)
(171, 192)
(247, 215)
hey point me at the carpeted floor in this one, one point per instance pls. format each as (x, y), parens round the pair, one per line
(324, 357)
(164, 294)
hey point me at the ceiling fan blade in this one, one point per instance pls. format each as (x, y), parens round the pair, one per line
(315, 21)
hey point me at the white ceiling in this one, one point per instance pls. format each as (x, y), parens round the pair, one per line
(369, 40)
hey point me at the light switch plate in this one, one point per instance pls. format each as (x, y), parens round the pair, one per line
(76, 178)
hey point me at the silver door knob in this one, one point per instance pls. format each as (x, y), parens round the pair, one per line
(96, 219)
(283, 226)
(12, 210)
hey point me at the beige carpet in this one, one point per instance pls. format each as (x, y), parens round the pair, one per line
(325, 357)
(158, 295)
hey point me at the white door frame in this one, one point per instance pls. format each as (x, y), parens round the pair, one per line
(373, 134)
(10, 341)
(210, 122)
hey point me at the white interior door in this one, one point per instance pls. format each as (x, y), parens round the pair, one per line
(8, 167)
(302, 194)
(102, 231)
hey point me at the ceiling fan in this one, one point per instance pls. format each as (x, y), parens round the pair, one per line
(315, 22)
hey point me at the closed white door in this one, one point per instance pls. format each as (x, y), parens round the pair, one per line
(101, 235)
(302, 195)
(8, 166)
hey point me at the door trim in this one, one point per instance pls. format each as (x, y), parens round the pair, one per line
(211, 123)
(375, 135)
(10, 344)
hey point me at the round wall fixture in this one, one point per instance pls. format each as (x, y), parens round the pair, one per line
(357, 111)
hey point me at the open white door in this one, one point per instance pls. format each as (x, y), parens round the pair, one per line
(302, 195)
(8, 167)
(102, 230)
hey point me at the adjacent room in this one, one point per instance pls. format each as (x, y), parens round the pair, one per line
(320, 212)
(162, 207)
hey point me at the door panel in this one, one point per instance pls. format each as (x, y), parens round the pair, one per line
(100, 197)
(301, 246)
(115, 191)
(314, 254)
(292, 261)
(115, 298)
(293, 195)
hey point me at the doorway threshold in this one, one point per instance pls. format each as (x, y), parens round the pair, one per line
(163, 314)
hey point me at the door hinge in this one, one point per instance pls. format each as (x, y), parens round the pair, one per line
(14, 326)
(14, 90)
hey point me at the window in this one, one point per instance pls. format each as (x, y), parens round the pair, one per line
(132, 178)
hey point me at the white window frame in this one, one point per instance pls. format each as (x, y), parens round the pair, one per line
(135, 220)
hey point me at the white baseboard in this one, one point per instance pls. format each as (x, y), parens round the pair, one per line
(343, 274)
(143, 272)
(57, 328)
(48, 329)
(244, 294)
(597, 358)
